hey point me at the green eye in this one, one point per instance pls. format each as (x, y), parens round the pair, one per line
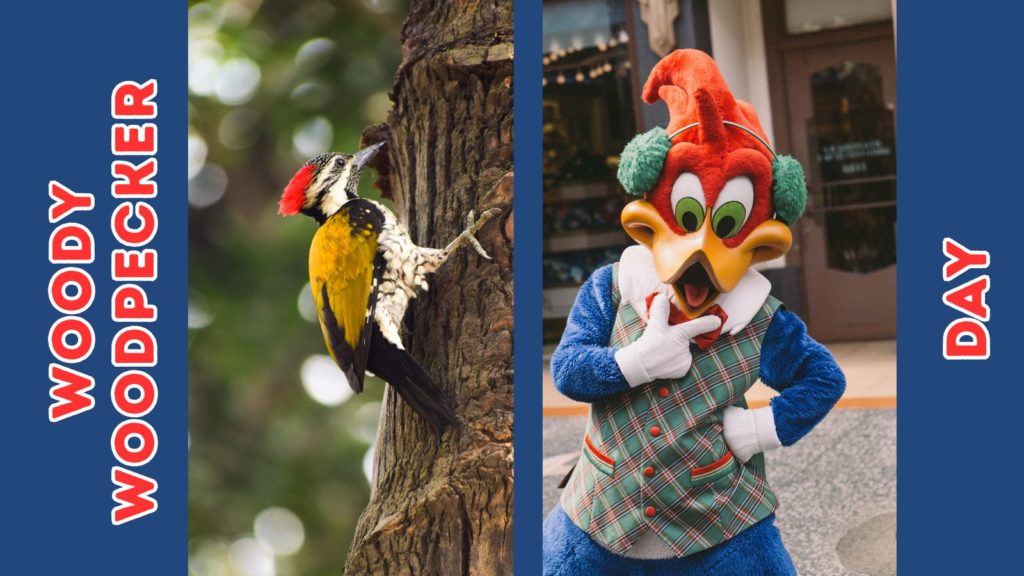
(689, 213)
(728, 219)
(687, 201)
(733, 207)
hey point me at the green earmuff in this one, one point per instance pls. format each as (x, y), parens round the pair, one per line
(642, 160)
(644, 157)
(789, 189)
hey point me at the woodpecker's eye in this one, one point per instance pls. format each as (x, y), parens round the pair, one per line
(339, 162)
(733, 207)
(688, 201)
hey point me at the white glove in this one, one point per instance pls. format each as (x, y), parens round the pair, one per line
(749, 432)
(662, 351)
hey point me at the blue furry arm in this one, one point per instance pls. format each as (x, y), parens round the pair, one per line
(583, 366)
(803, 371)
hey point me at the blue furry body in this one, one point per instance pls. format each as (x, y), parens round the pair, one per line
(799, 368)
(804, 373)
(757, 551)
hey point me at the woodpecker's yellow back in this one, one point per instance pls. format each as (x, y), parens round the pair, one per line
(341, 270)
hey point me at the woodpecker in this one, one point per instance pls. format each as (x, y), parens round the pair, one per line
(363, 270)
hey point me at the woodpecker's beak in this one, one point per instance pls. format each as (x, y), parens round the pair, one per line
(363, 157)
(698, 265)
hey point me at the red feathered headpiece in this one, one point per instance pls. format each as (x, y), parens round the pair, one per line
(689, 82)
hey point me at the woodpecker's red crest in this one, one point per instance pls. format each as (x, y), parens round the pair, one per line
(295, 192)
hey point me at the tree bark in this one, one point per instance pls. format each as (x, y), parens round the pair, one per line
(447, 510)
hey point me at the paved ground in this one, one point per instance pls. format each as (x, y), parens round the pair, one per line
(836, 488)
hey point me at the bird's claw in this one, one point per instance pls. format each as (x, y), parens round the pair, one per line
(473, 224)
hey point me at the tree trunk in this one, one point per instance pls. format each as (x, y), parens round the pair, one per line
(447, 510)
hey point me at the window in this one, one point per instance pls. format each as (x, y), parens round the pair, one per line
(588, 119)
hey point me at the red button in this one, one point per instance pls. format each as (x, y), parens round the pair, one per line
(649, 471)
(650, 511)
(655, 431)
(663, 392)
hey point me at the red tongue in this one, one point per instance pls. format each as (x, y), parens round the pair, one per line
(696, 295)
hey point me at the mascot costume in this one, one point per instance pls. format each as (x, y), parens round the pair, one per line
(664, 343)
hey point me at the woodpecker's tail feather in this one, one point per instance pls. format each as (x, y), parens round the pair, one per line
(407, 377)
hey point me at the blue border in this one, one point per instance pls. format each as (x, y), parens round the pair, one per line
(62, 61)
(528, 266)
(959, 422)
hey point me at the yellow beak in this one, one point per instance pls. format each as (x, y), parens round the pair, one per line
(674, 254)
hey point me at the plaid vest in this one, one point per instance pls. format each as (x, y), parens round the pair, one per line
(654, 457)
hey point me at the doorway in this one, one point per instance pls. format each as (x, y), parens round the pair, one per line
(837, 93)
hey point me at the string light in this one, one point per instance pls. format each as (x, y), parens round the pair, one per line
(590, 70)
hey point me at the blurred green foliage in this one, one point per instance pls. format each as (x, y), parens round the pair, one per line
(276, 477)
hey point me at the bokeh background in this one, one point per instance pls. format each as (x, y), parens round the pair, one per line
(280, 450)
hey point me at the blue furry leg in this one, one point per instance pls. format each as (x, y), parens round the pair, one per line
(569, 551)
(757, 551)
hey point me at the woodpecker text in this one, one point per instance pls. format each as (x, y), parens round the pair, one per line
(134, 224)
